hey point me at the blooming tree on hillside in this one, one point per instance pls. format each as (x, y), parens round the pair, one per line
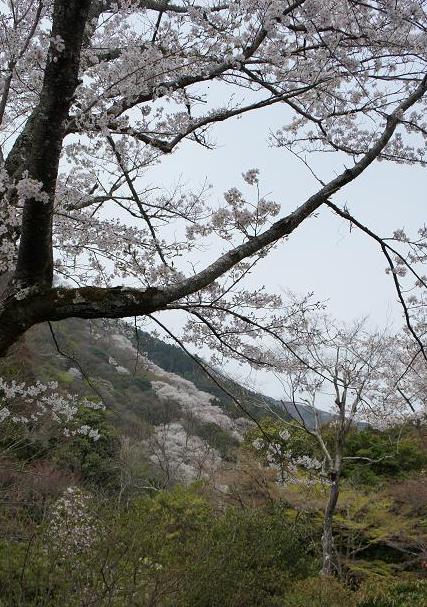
(179, 455)
(351, 371)
(94, 92)
(72, 527)
(29, 405)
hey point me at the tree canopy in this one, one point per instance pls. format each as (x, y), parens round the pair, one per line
(94, 92)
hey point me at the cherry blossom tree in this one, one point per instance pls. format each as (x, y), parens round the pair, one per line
(28, 406)
(95, 92)
(180, 456)
(407, 380)
(72, 527)
(352, 371)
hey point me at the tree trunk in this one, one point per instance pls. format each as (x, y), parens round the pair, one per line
(41, 142)
(329, 567)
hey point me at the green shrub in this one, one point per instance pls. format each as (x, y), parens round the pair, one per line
(320, 592)
(247, 557)
(142, 383)
(215, 436)
(405, 593)
(64, 378)
(25, 574)
(96, 461)
(299, 442)
(394, 454)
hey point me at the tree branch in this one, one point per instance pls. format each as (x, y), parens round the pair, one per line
(16, 316)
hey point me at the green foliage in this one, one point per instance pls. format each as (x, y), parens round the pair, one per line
(176, 514)
(394, 453)
(96, 461)
(99, 353)
(155, 412)
(171, 550)
(329, 592)
(23, 442)
(237, 559)
(63, 378)
(405, 593)
(24, 574)
(142, 383)
(175, 548)
(299, 442)
(215, 436)
(320, 592)
(247, 557)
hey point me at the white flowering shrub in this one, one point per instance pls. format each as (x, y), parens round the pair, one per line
(28, 405)
(73, 527)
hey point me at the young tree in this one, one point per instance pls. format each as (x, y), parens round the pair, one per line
(348, 370)
(95, 91)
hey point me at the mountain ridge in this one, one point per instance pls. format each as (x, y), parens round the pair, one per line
(178, 419)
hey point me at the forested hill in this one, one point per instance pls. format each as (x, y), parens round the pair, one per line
(85, 355)
(184, 492)
(172, 358)
(155, 394)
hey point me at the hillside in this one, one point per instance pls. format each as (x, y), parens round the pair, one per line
(155, 394)
(170, 495)
(172, 358)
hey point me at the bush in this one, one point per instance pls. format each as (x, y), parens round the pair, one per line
(95, 461)
(247, 557)
(24, 575)
(395, 453)
(299, 442)
(320, 592)
(405, 593)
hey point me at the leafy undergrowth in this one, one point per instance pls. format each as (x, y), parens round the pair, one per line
(95, 523)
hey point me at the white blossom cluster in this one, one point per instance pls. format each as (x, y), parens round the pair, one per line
(28, 404)
(239, 214)
(73, 528)
(235, 326)
(84, 430)
(119, 368)
(30, 189)
(9, 222)
(181, 456)
(339, 74)
(194, 402)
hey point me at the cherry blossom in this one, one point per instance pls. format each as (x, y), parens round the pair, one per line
(29, 404)
(181, 456)
(73, 528)
(132, 83)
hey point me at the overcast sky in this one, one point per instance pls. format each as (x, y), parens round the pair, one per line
(342, 267)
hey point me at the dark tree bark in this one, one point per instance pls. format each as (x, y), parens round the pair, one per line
(329, 566)
(38, 150)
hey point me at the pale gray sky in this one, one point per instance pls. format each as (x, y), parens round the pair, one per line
(345, 268)
(322, 255)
